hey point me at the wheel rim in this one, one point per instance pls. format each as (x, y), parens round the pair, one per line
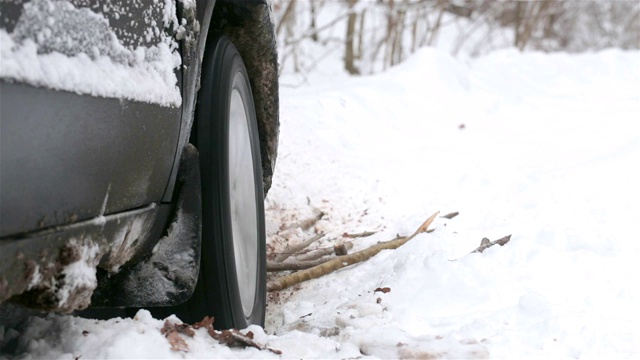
(242, 193)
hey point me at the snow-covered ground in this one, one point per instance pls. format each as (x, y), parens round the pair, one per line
(542, 146)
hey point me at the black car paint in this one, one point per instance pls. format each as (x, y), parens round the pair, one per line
(49, 229)
(68, 158)
(63, 154)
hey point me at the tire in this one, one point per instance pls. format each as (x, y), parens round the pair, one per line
(232, 280)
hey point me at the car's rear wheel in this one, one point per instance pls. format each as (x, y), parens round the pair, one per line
(231, 283)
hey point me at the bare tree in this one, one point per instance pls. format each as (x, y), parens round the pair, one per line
(374, 35)
(349, 53)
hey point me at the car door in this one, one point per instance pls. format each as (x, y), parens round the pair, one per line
(90, 104)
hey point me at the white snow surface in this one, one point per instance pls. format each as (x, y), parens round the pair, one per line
(549, 152)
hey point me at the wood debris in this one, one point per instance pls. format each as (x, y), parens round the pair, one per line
(450, 215)
(343, 261)
(486, 243)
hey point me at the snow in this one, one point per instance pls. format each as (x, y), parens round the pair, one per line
(79, 276)
(80, 52)
(548, 152)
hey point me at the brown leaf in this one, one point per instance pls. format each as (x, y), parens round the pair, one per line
(171, 332)
(177, 342)
(224, 337)
(206, 322)
(234, 338)
(275, 351)
(383, 290)
(166, 328)
(185, 329)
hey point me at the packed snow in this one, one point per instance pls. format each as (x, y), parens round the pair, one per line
(545, 147)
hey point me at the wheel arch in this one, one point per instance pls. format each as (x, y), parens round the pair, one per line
(249, 25)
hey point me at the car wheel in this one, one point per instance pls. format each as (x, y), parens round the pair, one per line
(231, 282)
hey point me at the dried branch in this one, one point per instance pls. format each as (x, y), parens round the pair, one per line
(285, 17)
(316, 254)
(343, 261)
(294, 265)
(308, 222)
(292, 249)
(486, 243)
(358, 235)
(309, 260)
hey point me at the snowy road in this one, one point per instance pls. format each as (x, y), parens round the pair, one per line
(544, 147)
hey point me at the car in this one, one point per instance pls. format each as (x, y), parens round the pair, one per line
(137, 143)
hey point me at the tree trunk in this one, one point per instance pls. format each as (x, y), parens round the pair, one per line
(349, 53)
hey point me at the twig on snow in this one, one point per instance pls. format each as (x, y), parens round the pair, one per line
(309, 259)
(292, 249)
(294, 265)
(343, 261)
(486, 243)
(307, 223)
(316, 254)
(359, 235)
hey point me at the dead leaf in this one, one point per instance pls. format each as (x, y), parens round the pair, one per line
(185, 329)
(383, 290)
(177, 342)
(234, 338)
(206, 322)
(450, 215)
(224, 337)
(172, 332)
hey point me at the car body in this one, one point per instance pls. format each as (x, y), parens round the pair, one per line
(98, 104)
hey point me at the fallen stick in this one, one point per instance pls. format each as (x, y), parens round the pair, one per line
(359, 235)
(306, 223)
(309, 259)
(295, 248)
(294, 265)
(316, 254)
(343, 261)
(486, 243)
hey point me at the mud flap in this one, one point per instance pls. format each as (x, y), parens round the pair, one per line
(169, 275)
